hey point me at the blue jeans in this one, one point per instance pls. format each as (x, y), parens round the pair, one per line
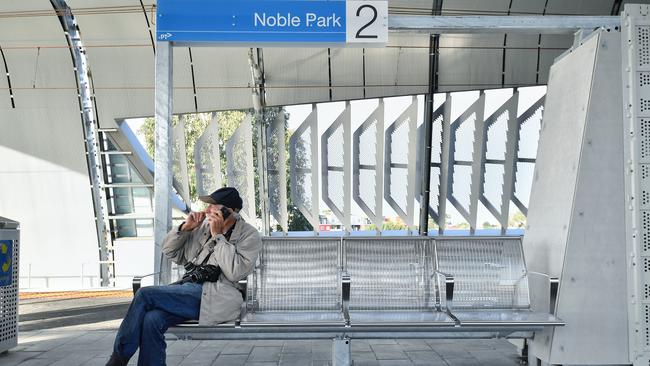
(153, 310)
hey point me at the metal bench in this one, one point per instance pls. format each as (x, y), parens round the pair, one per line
(383, 287)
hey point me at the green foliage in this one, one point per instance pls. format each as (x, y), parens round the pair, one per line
(517, 220)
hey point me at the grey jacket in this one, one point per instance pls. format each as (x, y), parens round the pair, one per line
(221, 301)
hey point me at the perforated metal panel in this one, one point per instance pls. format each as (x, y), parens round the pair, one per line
(206, 159)
(239, 159)
(385, 274)
(498, 160)
(277, 170)
(9, 292)
(529, 125)
(465, 165)
(179, 162)
(368, 164)
(636, 98)
(303, 154)
(298, 274)
(399, 163)
(488, 273)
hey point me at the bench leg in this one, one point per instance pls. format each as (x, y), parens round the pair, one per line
(341, 352)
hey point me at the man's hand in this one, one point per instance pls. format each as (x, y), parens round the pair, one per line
(215, 219)
(194, 220)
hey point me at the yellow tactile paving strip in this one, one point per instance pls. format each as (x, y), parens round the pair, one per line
(63, 295)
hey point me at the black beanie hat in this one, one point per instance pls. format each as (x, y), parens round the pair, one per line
(227, 196)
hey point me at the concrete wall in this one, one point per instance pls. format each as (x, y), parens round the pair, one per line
(44, 185)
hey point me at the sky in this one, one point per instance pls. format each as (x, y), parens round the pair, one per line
(460, 101)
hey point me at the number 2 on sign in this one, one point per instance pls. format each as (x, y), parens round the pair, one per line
(367, 22)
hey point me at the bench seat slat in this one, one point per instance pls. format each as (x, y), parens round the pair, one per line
(491, 318)
(400, 317)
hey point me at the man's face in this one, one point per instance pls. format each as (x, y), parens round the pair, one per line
(214, 208)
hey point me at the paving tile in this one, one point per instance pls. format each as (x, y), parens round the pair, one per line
(363, 356)
(413, 345)
(41, 362)
(74, 359)
(466, 361)
(321, 363)
(95, 361)
(261, 364)
(199, 357)
(230, 360)
(360, 346)
(295, 359)
(14, 358)
(395, 363)
(238, 347)
(366, 363)
(265, 354)
(456, 350)
(388, 352)
(425, 358)
(182, 348)
(297, 346)
(325, 355)
(381, 341)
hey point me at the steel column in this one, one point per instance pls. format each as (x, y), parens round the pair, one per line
(163, 163)
(95, 171)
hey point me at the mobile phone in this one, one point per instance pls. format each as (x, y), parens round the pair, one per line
(225, 212)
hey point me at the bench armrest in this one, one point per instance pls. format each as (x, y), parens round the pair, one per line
(346, 282)
(449, 286)
(544, 291)
(449, 293)
(137, 281)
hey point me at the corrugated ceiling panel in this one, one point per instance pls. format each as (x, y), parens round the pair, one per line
(121, 61)
(410, 6)
(582, 7)
(295, 76)
(347, 71)
(222, 78)
(183, 92)
(470, 62)
(521, 7)
(521, 59)
(553, 46)
(38, 58)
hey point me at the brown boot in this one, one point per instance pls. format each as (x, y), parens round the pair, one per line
(116, 360)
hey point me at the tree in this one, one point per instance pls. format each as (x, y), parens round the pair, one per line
(517, 220)
(228, 121)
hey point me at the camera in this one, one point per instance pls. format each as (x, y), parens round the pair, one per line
(201, 273)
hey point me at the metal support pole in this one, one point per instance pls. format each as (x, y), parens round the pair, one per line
(163, 162)
(428, 131)
(95, 171)
(341, 355)
(259, 104)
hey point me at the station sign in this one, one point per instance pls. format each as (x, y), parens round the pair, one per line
(273, 22)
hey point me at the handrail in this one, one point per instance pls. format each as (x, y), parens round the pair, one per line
(346, 282)
(137, 281)
(449, 293)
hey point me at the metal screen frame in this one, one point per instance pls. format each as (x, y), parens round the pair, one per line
(210, 141)
(410, 115)
(512, 128)
(342, 121)
(181, 179)
(309, 124)
(277, 170)
(439, 113)
(375, 118)
(240, 171)
(470, 214)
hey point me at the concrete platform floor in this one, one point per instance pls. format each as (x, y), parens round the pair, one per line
(82, 346)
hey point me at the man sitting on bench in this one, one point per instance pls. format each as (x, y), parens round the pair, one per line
(216, 253)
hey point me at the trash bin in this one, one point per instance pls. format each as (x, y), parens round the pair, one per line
(9, 244)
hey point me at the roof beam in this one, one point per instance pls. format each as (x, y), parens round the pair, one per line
(549, 24)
